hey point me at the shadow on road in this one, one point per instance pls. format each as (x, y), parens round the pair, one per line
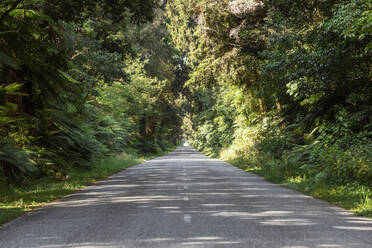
(184, 199)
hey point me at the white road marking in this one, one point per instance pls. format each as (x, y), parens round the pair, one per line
(187, 218)
(185, 187)
(185, 198)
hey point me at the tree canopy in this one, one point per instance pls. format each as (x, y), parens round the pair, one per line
(78, 82)
(285, 82)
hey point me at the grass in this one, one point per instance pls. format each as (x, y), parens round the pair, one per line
(15, 200)
(352, 196)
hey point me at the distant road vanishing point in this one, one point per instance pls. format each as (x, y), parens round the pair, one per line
(185, 199)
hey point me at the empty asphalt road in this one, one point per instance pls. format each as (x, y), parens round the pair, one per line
(185, 199)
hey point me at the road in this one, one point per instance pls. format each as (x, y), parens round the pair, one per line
(185, 199)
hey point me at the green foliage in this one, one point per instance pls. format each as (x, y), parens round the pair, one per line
(15, 163)
(285, 85)
(282, 86)
(71, 91)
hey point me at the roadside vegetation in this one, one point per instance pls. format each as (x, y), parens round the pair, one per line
(279, 87)
(17, 199)
(80, 81)
(282, 89)
(325, 173)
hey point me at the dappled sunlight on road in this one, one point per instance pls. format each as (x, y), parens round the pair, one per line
(185, 199)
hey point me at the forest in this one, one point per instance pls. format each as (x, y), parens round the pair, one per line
(81, 80)
(278, 87)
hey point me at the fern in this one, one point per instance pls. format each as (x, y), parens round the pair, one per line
(15, 163)
(6, 60)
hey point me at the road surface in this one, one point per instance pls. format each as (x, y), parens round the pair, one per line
(185, 199)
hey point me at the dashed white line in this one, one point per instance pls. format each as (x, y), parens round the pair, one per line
(185, 198)
(187, 218)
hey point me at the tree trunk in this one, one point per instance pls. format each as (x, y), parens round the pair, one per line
(261, 105)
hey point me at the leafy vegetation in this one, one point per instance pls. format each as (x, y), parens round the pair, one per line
(76, 85)
(282, 87)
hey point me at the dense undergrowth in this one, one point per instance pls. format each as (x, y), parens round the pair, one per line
(79, 81)
(337, 170)
(283, 88)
